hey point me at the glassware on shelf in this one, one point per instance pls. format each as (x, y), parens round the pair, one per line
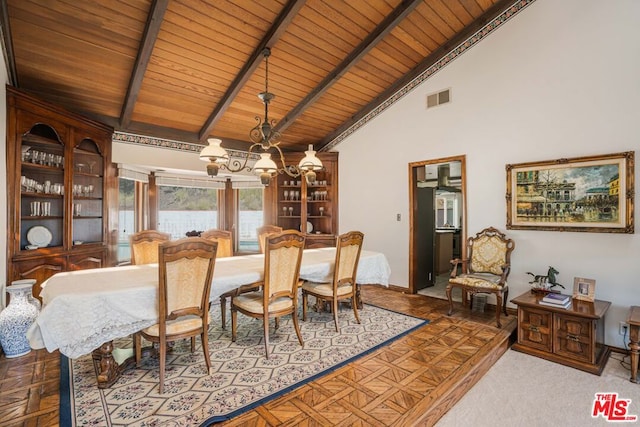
(286, 195)
(91, 164)
(35, 208)
(321, 209)
(284, 211)
(80, 167)
(290, 211)
(26, 155)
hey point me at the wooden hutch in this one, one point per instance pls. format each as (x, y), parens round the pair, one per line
(311, 208)
(61, 191)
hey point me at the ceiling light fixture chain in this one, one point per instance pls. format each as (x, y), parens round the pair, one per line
(266, 138)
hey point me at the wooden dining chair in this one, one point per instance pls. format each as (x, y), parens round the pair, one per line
(144, 246)
(224, 239)
(343, 285)
(184, 284)
(264, 231)
(278, 293)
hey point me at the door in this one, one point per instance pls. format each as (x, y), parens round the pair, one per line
(425, 238)
(426, 179)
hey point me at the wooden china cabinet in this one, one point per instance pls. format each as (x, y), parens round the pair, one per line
(60, 184)
(310, 208)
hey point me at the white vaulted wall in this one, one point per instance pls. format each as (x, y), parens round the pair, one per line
(560, 79)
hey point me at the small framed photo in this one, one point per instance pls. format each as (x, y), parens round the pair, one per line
(584, 289)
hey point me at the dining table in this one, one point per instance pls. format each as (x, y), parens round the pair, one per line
(83, 311)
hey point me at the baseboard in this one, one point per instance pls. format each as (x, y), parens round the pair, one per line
(619, 350)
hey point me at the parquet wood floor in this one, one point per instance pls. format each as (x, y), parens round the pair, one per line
(411, 382)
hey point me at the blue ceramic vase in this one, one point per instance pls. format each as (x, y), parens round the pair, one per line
(15, 319)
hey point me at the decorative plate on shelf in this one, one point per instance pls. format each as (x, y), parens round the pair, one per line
(39, 236)
(309, 227)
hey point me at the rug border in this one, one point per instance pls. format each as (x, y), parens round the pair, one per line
(230, 415)
(65, 413)
(65, 417)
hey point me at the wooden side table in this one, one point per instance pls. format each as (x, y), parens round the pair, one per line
(634, 338)
(572, 337)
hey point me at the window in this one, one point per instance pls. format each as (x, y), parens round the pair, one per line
(250, 206)
(126, 217)
(182, 209)
(133, 187)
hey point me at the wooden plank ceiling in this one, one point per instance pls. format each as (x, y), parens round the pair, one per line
(191, 69)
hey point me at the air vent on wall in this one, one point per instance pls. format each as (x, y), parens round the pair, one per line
(438, 98)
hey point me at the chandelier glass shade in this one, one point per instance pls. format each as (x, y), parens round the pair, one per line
(265, 140)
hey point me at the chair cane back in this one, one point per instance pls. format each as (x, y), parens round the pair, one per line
(264, 231)
(144, 246)
(224, 239)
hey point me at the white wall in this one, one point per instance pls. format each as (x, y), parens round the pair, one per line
(561, 79)
(4, 78)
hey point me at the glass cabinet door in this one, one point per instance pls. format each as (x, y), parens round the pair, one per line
(319, 205)
(87, 193)
(41, 189)
(289, 196)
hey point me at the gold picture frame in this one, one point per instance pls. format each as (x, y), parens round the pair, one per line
(584, 289)
(593, 194)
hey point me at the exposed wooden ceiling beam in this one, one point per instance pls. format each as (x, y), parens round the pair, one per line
(275, 32)
(149, 37)
(384, 28)
(7, 44)
(427, 62)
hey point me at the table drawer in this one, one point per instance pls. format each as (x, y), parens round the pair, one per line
(534, 328)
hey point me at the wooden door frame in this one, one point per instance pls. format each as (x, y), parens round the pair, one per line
(413, 184)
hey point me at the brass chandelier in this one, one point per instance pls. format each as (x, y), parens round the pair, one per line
(264, 138)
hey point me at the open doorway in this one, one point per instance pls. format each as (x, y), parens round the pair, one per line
(437, 192)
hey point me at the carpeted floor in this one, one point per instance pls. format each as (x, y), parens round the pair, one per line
(524, 390)
(242, 377)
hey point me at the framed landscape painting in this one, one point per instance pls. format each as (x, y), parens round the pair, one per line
(592, 193)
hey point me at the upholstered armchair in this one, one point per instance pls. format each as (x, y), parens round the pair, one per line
(484, 270)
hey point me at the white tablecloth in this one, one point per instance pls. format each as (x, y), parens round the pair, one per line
(84, 309)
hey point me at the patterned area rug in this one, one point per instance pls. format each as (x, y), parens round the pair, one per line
(242, 377)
